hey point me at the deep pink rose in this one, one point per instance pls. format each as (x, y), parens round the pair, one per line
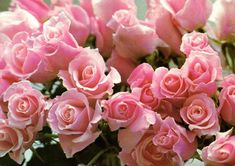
(26, 106)
(125, 110)
(200, 114)
(164, 24)
(87, 74)
(189, 14)
(74, 120)
(195, 41)
(201, 70)
(170, 85)
(221, 152)
(226, 99)
(223, 26)
(17, 21)
(38, 8)
(118, 62)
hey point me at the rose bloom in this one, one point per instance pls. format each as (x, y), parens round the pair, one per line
(38, 8)
(17, 21)
(221, 152)
(195, 41)
(202, 70)
(170, 85)
(128, 29)
(146, 153)
(125, 110)
(189, 14)
(226, 99)
(87, 74)
(21, 59)
(26, 106)
(11, 140)
(200, 114)
(222, 16)
(166, 143)
(74, 120)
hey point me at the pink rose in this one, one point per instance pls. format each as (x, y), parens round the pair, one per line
(195, 41)
(38, 8)
(226, 99)
(80, 22)
(201, 70)
(26, 106)
(189, 14)
(200, 114)
(118, 62)
(146, 153)
(74, 120)
(170, 85)
(130, 30)
(56, 44)
(221, 152)
(166, 143)
(21, 59)
(140, 76)
(87, 74)
(223, 27)
(17, 21)
(11, 140)
(61, 2)
(125, 110)
(164, 24)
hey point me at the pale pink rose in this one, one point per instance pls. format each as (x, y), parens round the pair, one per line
(221, 152)
(74, 120)
(140, 76)
(223, 26)
(170, 85)
(87, 74)
(104, 9)
(56, 43)
(195, 41)
(118, 62)
(226, 99)
(11, 141)
(189, 14)
(17, 21)
(200, 114)
(201, 70)
(169, 136)
(80, 22)
(87, 5)
(146, 153)
(125, 110)
(164, 24)
(131, 30)
(26, 106)
(21, 59)
(38, 8)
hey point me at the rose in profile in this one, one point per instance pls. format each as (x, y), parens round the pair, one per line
(221, 151)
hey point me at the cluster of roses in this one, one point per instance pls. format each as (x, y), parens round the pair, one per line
(167, 110)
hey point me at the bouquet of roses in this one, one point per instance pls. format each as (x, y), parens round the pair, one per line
(92, 84)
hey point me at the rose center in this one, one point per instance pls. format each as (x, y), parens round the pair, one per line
(88, 72)
(22, 105)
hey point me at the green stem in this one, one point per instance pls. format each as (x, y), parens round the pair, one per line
(94, 159)
(37, 155)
